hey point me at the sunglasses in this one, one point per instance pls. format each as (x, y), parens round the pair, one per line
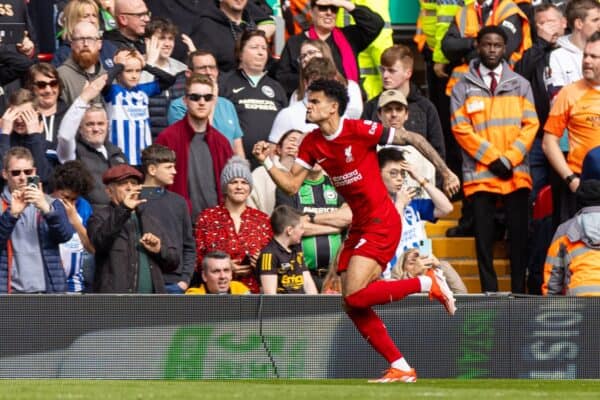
(333, 9)
(43, 84)
(17, 172)
(196, 96)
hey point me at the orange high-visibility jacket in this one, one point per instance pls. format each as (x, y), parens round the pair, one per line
(573, 262)
(468, 25)
(488, 126)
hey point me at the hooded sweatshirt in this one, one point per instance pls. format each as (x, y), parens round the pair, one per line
(565, 65)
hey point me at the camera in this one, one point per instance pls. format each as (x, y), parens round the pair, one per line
(33, 181)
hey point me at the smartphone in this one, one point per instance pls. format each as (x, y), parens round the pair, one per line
(33, 181)
(12, 33)
(246, 260)
(150, 193)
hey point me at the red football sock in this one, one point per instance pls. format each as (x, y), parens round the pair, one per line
(374, 331)
(381, 292)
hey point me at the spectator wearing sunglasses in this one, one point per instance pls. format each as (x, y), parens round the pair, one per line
(345, 43)
(32, 227)
(22, 125)
(44, 83)
(201, 150)
(224, 118)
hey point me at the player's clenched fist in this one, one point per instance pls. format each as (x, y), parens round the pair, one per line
(260, 151)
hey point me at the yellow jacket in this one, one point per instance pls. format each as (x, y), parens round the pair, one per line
(369, 59)
(235, 287)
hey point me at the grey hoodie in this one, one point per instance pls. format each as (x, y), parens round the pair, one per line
(73, 78)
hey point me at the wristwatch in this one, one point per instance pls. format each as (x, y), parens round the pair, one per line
(570, 178)
(311, 216)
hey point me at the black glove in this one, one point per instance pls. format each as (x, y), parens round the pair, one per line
(498, 168)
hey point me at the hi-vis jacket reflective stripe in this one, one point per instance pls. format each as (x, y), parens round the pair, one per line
(425, 33)
(468, 25)
(489, 126)
(300, 10)
(370, 58)
(446, 11)
(573, 267)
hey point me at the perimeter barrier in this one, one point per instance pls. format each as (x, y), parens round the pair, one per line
(231, 337)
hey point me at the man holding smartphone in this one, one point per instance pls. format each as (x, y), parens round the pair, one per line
(32, 225)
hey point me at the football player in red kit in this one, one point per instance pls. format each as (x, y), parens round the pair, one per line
(346, 149)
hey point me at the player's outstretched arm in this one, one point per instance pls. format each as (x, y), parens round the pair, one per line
(404, 137)
(288, 181)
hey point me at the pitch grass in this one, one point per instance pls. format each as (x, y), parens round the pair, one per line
(298, 389)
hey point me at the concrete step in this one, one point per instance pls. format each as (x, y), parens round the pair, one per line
(455, 214)
(474, 285)
(439, 228)
(468, 266)
(464, 247)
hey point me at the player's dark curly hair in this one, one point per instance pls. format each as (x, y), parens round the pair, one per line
(333, 90)
(73, 175)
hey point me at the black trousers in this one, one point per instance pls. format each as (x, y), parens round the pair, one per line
(517, 223)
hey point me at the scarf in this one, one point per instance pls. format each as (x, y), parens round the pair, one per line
(346, 52)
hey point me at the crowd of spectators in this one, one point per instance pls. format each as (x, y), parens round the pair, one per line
(127, 129)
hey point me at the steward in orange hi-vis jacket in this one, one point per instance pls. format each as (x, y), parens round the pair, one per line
(472, 17)
(494, 122)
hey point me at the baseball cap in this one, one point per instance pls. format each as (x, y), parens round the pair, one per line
(391, 96)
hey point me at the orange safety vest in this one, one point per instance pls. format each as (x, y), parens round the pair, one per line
(302, 19)
(467, 21)
(488, 126)
(571, 267)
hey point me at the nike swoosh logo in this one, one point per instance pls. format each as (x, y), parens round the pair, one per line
(237, 90)
(321, 160)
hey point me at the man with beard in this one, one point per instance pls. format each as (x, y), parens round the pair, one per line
(83, 64)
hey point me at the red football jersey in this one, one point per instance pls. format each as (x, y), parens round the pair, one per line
(350, 159)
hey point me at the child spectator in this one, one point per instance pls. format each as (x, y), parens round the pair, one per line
(127, 100)
(161, 34)
(72, 181)
(281, 263)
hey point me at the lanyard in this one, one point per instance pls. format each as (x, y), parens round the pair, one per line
(49, 127)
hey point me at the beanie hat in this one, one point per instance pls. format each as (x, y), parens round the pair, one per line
(236, 167)
(590, 168)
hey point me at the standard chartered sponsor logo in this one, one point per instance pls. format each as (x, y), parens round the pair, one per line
(256, 104)
(347, 178)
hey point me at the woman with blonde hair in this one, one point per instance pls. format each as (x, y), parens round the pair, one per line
(316, 48)
(77, 11)
(412, 263)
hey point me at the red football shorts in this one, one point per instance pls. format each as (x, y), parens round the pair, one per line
(379, 245)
